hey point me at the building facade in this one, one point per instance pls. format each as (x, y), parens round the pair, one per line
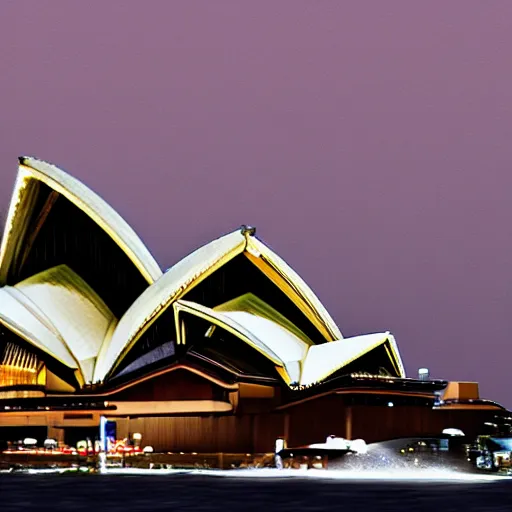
(226, 351)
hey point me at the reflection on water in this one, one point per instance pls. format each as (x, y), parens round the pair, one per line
(418, 474)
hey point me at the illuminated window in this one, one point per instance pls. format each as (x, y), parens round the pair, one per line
(18, 366)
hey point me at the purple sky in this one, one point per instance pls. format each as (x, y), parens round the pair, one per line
(369, 142)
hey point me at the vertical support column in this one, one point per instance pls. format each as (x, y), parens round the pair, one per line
(279, 445)
(286, 428)
(255, 432)
(348, 422)
(57, 434)
(103, 445)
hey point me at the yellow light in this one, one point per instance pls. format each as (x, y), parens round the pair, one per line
(19, 368)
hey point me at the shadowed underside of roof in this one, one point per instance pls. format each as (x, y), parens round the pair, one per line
(298, 362)
(30, 209)
(156, 299)
(259, 325)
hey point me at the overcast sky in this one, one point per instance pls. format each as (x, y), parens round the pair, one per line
(368, 141)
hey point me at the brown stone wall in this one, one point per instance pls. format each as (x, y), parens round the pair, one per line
(175, 385)
(266, 429)
(192, 433)
(312, 421)
(377, 423)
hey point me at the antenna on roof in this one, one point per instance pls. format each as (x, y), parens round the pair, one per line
(247, 230)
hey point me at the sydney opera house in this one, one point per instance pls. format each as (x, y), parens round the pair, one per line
(226, 351)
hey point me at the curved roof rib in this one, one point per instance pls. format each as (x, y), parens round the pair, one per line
(229, 324)
(291, 283)
(248, 309)
(31, 172)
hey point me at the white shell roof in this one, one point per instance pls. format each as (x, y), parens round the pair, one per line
(168, 288)
(26, 320)
(192, 270)
(84, 199)
(323, 360)
(59, 313)
(76, 312)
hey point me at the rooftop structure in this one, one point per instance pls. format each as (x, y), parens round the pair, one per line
(83, 296)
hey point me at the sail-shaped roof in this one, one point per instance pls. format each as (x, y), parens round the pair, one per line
(33, 172)
(26, 320)
(323, 360)
(191, 271)
(266, 335)
(74, 310)
(86, 299)
(298, 361)
(171, 286)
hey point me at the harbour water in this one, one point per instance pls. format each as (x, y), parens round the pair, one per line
(138, 491)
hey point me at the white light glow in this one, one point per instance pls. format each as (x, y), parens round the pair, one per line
(453, 432)
(418, 475)
(409, 475)
(359, 446)
(279, 445)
